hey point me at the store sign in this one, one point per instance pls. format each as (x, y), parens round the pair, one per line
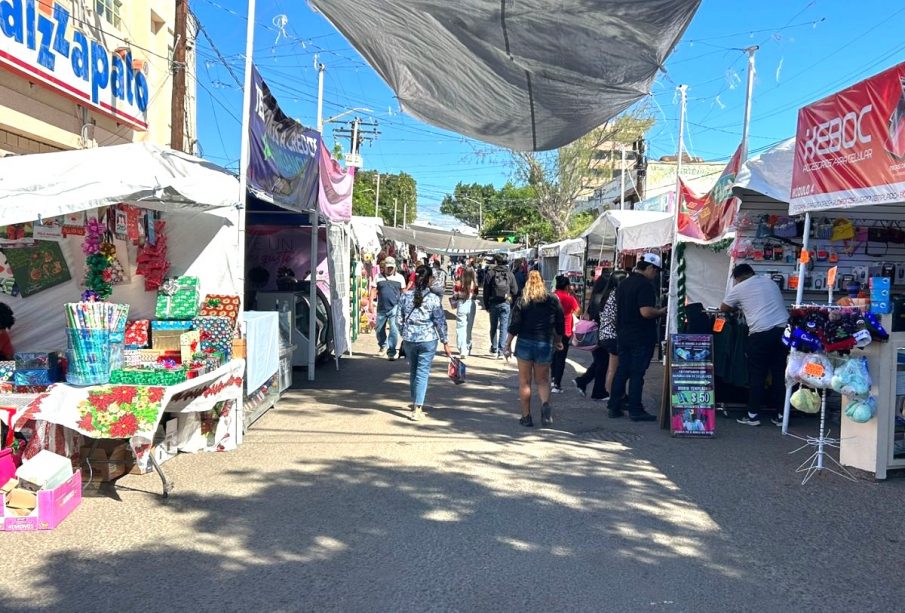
(850, 147)
(48, 49)
(692, 391)
(284, 155)
(709, 217)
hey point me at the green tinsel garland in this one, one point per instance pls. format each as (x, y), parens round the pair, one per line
(679, 254)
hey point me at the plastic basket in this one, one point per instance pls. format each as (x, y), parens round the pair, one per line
(88, 356)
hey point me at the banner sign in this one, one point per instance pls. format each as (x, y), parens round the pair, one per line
(692, 392)
(850, 147)
(284, 155)
(49, 47)
(709, 217)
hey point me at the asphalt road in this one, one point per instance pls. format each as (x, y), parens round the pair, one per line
(337, 502)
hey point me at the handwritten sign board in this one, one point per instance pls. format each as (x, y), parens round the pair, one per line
(692, 398)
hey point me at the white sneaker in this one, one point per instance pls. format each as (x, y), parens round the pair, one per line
(747, 420)
(555, 390)
(380, 352)
(416, 414)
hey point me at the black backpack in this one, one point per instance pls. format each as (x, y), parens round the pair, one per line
(500, 289)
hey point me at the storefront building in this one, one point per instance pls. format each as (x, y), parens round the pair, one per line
(82, 73)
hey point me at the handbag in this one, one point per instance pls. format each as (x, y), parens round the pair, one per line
(456, 370)
(785, 227)
(585, 335)
(843, 230)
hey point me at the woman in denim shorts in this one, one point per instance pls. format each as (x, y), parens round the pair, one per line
(537, 320)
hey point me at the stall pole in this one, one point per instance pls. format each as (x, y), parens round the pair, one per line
(622, 175)
(748, 95)
(320, 98)
(245, 147)
(312, 295)
(671, 323)
(799, 299)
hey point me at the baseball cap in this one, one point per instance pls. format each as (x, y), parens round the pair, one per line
(390, 262)
(653, 259)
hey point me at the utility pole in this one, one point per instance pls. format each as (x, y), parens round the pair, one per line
(405, 213)
(622, 174)
(177, 67)
(395, 210)
(321, 69)
(359, 132)
(377, 198)
(748, 93)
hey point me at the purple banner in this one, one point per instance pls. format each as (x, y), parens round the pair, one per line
(284, 154)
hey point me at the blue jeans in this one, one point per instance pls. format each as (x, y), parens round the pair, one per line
(634, 359)
(382, 320)
(464, 323)
(420, 357)
(499, 322)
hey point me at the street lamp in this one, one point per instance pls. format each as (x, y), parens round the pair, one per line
(357, 109)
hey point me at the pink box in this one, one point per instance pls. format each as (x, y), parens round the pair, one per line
(53, 507)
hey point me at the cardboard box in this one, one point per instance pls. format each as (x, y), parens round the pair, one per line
(53, 506)
(20, 498)
(110, 460)
(46, 470)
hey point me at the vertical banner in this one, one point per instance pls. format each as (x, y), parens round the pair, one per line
(692, 397)
(335, 188)
(708, 218)
(283, 156)
(850, 146)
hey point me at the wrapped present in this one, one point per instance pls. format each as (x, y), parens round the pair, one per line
(131, 358)
(37, 360)
(220, 305)
(138, 334)
(148, 376)
(189, 345)
(36, 376)
(178, 298)
(29, 389)
(166, 340)
(176, 324)
(6, 370)
(216, 334)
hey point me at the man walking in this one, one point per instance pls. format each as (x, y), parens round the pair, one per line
(439, 282)
(499, 289)
(761, 302)
(636, 336)
(386, 289)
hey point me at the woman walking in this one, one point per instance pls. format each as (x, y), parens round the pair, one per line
(537, 321)
(465, 293)
(597, 371)
(607, 330)
(569, 307)
(423, 325)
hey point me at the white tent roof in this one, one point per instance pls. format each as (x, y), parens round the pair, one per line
(568, 246)
(53, 184)
(445, 242)
(769, 173)
(532, 74)
(366, 232)
(630, 231)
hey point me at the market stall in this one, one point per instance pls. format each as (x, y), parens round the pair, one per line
(156, 240)
(562, 257)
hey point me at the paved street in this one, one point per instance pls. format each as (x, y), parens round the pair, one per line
(336, 502)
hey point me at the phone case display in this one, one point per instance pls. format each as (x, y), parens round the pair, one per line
(178, 298)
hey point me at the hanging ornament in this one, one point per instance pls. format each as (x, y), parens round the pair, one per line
(97, 274)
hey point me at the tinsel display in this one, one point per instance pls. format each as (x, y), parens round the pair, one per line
(97, 274)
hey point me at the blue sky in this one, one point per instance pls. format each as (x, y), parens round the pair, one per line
(808, 49)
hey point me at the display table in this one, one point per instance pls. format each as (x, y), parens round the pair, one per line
(134, 412)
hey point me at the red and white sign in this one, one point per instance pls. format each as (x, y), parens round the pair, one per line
(707, 218)
(850, 147)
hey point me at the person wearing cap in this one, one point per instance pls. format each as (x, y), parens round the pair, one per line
(760, 301)
(636, 335)
(386, 289)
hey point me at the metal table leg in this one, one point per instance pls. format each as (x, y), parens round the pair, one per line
(167, 484)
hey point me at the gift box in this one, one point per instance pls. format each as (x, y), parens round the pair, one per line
(178, 298)
(220, 305)
(148, 376)
(176, 324)
(216, 334)
(189, 345)
(36, 376)
(6, 370)
(29, 389)
(166, 340)
(138, 334)
(37, 360)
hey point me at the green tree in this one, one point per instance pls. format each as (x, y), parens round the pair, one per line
(400, 188)
(558, 178)
(503, 212)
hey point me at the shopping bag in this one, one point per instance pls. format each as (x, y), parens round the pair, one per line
(456, 370)
(585, 334)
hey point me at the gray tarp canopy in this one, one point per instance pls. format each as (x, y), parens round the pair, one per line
(523, 74)
(447, 243)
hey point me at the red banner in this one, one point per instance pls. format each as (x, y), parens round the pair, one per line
(850, 147)
(707, 218)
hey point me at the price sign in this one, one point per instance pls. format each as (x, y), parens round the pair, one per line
(692, 397)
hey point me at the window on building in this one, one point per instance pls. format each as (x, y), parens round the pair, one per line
(110, 11)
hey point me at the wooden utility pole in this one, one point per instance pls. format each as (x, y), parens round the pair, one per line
(177, 114)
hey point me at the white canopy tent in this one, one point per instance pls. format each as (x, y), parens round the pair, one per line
(441, 241)
(202, 226)
(769, 173)
(562, 256)
(366, 233)
(629, 231)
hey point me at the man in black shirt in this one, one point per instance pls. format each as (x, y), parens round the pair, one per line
(636, 335)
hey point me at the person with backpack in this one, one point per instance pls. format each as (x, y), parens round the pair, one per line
(386, 289)
(499, 289)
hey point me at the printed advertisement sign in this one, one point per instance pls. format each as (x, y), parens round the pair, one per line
(707, 218)
(284, 155)
(47, 46)
(850, 147)
(693, 403)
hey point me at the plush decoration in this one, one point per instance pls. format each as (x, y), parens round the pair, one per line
(862, 411)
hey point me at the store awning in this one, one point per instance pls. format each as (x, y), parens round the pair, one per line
(528, 75)
(629, 231)
(769, 173)
(151, 176)
(447, 243)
